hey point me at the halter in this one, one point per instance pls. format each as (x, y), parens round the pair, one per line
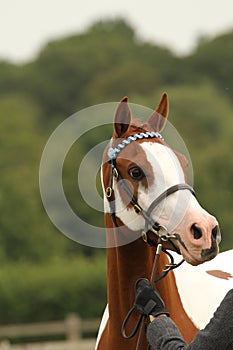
(150, 225)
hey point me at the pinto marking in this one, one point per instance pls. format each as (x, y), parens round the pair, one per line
(197, 230)
(201, 293)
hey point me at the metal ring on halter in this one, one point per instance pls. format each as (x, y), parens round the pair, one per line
(165, 236)
(161, 231)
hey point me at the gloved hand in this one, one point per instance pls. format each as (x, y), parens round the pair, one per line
(147, 299)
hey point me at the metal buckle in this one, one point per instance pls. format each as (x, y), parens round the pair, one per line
(144, 236)
(137, 209)
(108, 192)
(115, 173)
(159, 249)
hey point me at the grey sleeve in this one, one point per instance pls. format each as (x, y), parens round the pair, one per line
(163, 334)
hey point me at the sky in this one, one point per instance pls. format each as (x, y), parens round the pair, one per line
(27, 25)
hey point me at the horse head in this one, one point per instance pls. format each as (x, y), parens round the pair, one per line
(145, 185)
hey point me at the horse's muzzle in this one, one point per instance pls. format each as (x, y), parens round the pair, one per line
(210, 253)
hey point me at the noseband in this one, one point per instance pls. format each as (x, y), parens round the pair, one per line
(150, 224)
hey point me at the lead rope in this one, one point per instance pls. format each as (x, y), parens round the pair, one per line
(141, 326)
(152, 281)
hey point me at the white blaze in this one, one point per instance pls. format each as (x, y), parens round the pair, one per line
(166, 172)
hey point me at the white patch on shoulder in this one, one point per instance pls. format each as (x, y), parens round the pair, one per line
(201, 293)
(102, 326)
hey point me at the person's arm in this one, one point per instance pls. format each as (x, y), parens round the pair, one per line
(162, 333)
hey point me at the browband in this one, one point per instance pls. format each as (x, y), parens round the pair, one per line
(113, 152)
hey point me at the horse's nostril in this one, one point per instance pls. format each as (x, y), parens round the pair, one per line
(197, 234)
(215, 232)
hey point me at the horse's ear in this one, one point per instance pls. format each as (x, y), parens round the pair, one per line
(122, 118)
(158, 118)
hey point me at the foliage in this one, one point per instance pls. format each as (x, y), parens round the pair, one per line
(50, 291)
(100, 65)
(208, 135)
(26, 233)
(213, 58)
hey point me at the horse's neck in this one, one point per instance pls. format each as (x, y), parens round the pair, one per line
(126, 264)
(135, 260)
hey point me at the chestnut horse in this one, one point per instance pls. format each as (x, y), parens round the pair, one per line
(146, 199)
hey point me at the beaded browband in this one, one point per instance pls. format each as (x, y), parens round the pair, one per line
(113, 152)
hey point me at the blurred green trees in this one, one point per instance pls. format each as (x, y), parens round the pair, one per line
(100, 65)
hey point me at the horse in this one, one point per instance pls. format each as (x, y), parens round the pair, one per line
(148, 203)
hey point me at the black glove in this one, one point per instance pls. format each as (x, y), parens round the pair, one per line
(147, 299)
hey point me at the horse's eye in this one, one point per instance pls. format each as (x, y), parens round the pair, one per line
(136, 173)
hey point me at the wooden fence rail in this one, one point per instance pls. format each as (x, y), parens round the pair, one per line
(72, 328)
